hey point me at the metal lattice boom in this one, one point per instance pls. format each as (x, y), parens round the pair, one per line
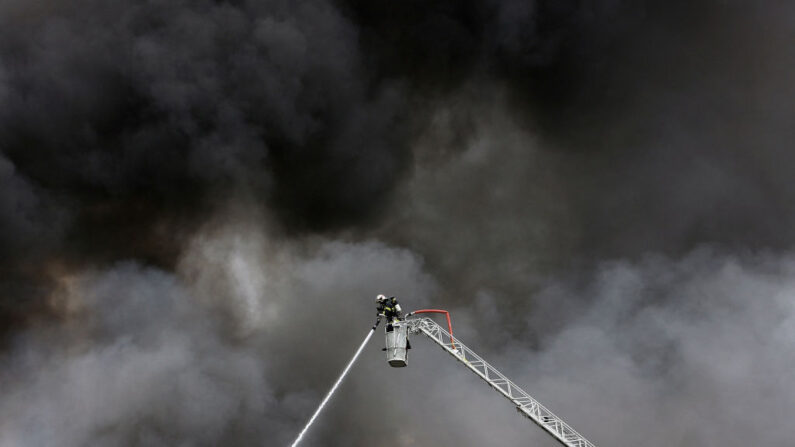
(525, 403)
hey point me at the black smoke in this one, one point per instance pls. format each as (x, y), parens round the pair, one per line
(207, 194)
(123, 128)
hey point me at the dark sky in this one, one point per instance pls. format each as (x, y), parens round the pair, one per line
(199, 201)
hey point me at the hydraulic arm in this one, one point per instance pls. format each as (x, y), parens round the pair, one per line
(525, 403)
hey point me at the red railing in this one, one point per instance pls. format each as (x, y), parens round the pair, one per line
(439, 311)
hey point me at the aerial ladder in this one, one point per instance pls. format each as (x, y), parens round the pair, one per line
(396, 347)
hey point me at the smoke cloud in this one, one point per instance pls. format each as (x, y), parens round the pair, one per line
(200, 199)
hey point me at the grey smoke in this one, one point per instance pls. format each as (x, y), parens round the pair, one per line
(200, 199)
(146, 357)
(661, 351)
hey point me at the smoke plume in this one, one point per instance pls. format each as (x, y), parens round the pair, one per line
(199, 200)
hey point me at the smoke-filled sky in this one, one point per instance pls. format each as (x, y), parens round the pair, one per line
(199, 201)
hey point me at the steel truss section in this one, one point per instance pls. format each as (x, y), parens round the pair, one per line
(525, 403)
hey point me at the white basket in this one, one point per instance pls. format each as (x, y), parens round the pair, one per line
(396, 340)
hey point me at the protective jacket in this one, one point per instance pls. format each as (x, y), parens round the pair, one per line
(390, 309)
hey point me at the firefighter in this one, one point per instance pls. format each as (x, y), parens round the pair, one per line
(389, 308)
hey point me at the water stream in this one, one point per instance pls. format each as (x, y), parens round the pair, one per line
(333, 388)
